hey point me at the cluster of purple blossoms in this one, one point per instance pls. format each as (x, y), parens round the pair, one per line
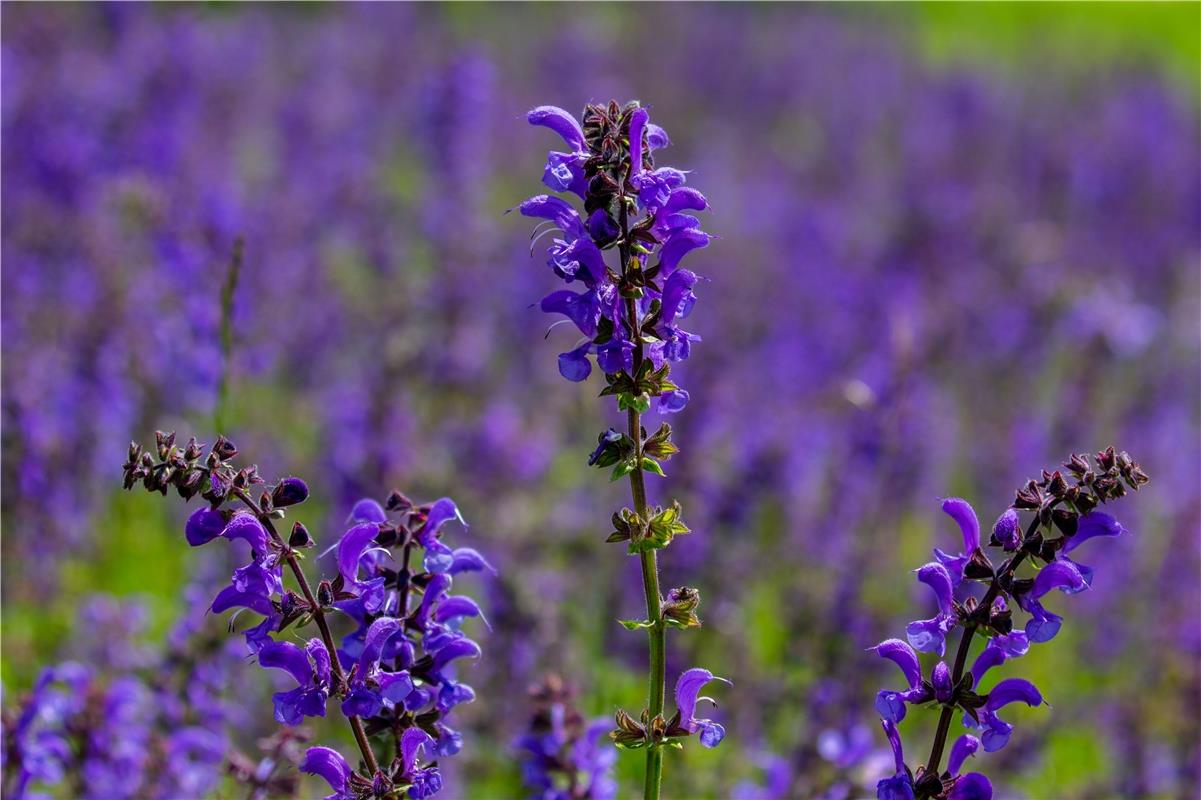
(565, 754)
(629, 313)
(395, 672)
(122, 721)
(610, 166)
(1064, 517)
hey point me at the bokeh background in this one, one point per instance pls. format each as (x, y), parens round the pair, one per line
(956, 243)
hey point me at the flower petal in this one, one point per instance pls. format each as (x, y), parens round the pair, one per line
(1061, 575)
(638, 121)
(411, 743)
(328, 764)
(377, 636)
(561, 122)
(246, 526)
(964, 746)
(289, 658)
(938, 578)
(204, 525)
(1008, 530)
(367, 510)
(903, 656)
(230, 597)
(467, 559)
(688, 688)
(972, 786)
(962, 512)
(1090, 526)
(351, 547)
(1013, 690)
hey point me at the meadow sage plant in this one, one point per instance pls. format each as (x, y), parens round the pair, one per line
(1063, 515)
(628, 310)
(393, 676)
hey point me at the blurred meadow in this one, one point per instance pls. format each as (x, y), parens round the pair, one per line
(954, 244)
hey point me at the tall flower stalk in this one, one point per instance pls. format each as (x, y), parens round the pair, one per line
(628, 313)
(394, 674)
(1063, 516)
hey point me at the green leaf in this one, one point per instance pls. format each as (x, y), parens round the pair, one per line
(651, 465)
(634, 624)
(621, 470)
(639, 402)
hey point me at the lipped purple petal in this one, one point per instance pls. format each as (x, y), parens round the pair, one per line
(203, 525)
(903, 656)
(561, 122)
(962, 512)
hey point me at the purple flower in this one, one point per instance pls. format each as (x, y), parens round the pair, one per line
(688, 687)
(1062, 575)
(667, 234)
(438, 557)
(999, 650)
(352, 547)
(370, 687)
(232, 597)
(310, 667)
(332, 767)
(898, 786)
(367, 510)
(973, 785)
(891, 705)
(996, 731)
(1088, 527)
(204, 525)
(940, 678)
(424, 782)
(929, 635)
(962, 512)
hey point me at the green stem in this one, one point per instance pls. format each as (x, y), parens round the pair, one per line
(657, 632)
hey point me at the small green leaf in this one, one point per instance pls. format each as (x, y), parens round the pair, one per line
(621, 470)
(634, 624)
(651, 465)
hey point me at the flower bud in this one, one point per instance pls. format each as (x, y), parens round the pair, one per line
(289, 492)
(300, 537)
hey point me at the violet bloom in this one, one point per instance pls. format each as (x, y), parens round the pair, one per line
(898, 786)
(970, 786)
(1043, 624)
(1058, 528)
(370, 687)
(438, 557)
(422, 781)
(999, 650)
(996, 731)
(667, 233)
(962, 512)
(310, 667)
(688, 687)
(356, 544)
(891, 705)
(930, 635)
(1090, 526)
(330, 765)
